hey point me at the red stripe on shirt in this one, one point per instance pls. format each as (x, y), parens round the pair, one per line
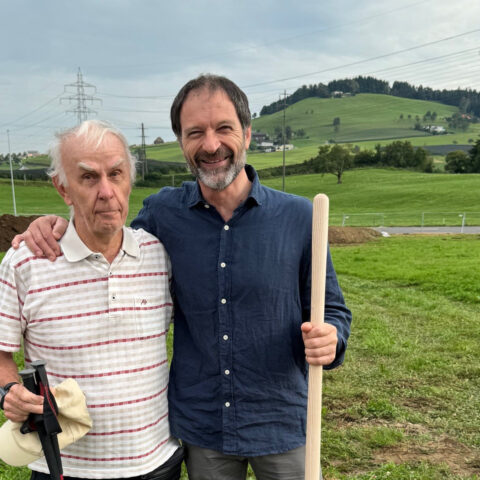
(133, 430)
(28, 259)
(14, 345)
(8, 284)
(128, 402)
(94, 280)
(68, 284)
(11, 317)
(112, 459)
(137, 275)
(109, 374)
(96, 344)
(146, 244)
(100, 312)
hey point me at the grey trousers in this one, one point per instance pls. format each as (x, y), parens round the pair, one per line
(205, 464)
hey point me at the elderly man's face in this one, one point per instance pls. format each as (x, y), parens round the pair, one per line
(213, 141)
(98, 186)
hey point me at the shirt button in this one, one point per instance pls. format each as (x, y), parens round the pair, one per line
(223, 300)
(227, 404)
(227, 372)
(207, 205)
(225, 337)
(226, 227)
(223, 264)
(113, 297)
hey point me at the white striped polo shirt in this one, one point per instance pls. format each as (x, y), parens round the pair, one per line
(105, 326)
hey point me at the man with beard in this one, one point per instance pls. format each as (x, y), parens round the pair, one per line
(241, 265)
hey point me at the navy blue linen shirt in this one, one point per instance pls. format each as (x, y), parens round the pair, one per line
(238, 378)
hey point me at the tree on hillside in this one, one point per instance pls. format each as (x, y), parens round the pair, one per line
(336, 124)
(334, 160)
(365, 157)
(399, 154)
(423, 161)
(288, 132)
(345, 85)
(458, 122)
(457, 162)
(158, 141)
(474, 154)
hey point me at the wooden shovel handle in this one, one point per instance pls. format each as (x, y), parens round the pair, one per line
(319, 273)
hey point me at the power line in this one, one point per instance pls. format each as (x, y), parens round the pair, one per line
(359, 62)
(32, 112)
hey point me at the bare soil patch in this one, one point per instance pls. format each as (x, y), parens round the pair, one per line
(460, 459)
(351, 235)
(422, 445)
(11, 226)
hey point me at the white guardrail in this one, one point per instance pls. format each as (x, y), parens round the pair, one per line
(365, 219)
(422, 219)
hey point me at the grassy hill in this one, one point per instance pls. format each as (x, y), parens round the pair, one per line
(362, 117)
(365, 120)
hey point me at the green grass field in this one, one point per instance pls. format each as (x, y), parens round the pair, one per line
(405, 404)
(400, 195)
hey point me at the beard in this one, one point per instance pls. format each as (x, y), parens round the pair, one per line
(218, 178)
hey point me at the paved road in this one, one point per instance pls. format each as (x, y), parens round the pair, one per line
(437, 230)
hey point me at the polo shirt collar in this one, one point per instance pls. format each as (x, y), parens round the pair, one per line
(256, 193)
(75, 250)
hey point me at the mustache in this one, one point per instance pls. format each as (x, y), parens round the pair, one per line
(221, 153)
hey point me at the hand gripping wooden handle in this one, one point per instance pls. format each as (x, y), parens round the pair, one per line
(319, 272)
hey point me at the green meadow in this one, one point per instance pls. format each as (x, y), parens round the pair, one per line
(401, 197)
(405, 404)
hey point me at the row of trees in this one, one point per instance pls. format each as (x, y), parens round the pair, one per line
(16, 158)
(467, 100)
(398, 154)
(338, 158)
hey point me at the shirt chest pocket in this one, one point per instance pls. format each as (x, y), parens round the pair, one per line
(151, 314)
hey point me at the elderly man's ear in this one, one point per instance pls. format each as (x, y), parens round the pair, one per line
(62, 191)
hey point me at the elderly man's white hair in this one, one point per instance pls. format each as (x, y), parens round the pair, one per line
(92, 132)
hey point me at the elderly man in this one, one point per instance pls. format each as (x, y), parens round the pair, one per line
(241, 264)
(95, 315)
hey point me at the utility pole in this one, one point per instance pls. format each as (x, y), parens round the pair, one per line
(11, 175)
(144, 149)
(283, 137)
(81, 96)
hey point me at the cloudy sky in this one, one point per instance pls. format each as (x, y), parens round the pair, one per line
(135, 55)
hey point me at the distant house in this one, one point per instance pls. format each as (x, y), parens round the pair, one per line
(435, 129)
(288, 146)
(259, 137)
(337, 94)
(266, 146)
(32, 153)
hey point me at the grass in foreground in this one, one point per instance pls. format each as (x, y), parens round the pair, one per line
(406, 403)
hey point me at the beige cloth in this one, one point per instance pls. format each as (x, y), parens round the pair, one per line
(18, 449)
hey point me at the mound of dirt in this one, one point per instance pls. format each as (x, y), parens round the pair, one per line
(10, 226)
(351, 235)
